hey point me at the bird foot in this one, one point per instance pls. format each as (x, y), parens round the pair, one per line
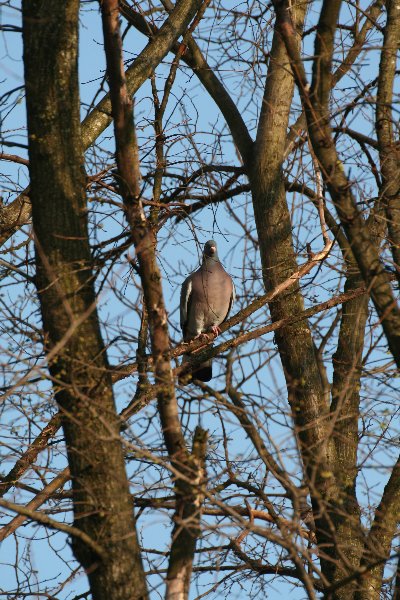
(216, 330)
(202, 335)
(205, 337)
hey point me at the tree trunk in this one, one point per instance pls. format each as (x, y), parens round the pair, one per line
(295, 344)
(76, 354)
(323, 451)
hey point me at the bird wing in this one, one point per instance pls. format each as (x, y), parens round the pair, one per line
(186, 292)
(231, 301)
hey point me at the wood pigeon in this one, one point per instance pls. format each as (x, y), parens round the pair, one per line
(207, 296)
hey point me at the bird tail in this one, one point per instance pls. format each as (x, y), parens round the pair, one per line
(202, 372)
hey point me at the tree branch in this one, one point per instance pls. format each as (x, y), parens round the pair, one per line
(52, 524)
(389, 149)
(316, 103)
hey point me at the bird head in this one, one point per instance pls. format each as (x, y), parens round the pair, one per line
(210, 249)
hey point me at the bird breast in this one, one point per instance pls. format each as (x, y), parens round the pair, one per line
(210, 301)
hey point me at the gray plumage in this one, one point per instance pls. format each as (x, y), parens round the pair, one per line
(207, 297)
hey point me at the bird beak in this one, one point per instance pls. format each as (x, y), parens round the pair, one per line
(212, 249)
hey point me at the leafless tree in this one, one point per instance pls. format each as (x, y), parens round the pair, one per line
(272, 127)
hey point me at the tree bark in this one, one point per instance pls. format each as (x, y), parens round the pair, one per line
(76, 353)
(344, 510)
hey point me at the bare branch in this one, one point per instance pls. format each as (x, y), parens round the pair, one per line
(52, 524)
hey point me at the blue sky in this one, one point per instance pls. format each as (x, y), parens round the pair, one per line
(179, 254)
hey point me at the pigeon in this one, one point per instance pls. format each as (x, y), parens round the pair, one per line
(207, 297)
